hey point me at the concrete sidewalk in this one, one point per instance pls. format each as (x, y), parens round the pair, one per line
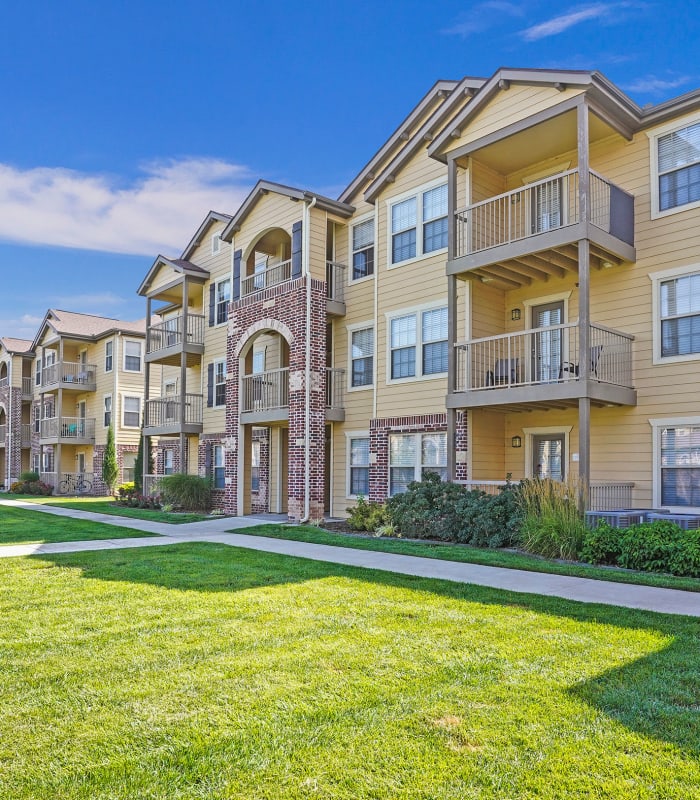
(586, 590)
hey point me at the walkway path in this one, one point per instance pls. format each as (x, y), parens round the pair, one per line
(670, 601)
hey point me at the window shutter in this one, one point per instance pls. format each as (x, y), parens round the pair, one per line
(212, 305)
(208, 458)
(236, 294)
(210, 385)
(296, 250)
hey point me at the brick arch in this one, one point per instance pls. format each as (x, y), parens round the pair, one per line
(258, 327)
(251, 247)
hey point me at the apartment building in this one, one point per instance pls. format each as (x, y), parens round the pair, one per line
(88, 375)
(510, 286)
(15, 408)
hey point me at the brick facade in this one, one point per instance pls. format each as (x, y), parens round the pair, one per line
(260, 499)
(99, 488)
(11, 452)
(204, 464)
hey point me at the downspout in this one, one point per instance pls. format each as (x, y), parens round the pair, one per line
(306, 266)
(375, 368)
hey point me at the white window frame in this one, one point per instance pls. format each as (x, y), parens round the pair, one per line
(36, 462)
(361, 326)
(126, 397)
(140, 344)
(168, 452)
(109, 355)
(255, 450)
(654, 137)
(215, 243)
(392, 201)
(220, 362)
(105, 411)
(360, 221)
(218, 302)
(657, 425)
(418, 465)
(657, 278)
(417, 312)
(552, 430)
(214, 467)
(349, 436)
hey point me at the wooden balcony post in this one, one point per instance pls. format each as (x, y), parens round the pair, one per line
(183, 376)
(451, 208)
(584, 304)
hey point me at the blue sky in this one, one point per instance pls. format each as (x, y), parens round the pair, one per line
(125, 122)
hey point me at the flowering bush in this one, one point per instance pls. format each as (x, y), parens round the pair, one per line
(138, 500)
(31, 487)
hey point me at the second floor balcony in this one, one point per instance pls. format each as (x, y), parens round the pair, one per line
(69, 375)
(264, 396)
(531, 232)
(167, 340)
(67, 430)
(540, 368)
(170, 416)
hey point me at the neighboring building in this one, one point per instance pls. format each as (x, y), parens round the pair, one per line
(16, 360)
(88, 375)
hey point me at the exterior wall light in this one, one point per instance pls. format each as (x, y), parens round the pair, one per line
(515, 314)
(516, 441)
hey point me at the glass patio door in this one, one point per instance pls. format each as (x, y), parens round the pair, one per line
(547, 344)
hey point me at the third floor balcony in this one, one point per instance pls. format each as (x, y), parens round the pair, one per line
(74, 375)
(167, 340)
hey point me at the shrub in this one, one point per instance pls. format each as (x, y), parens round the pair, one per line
(138, 500)
(427, 509)
(29, 477)
(488, 520)
(126, 488)
(188, 491)
(36, 487)
(366, 516)
(602, 544)
(553, 525)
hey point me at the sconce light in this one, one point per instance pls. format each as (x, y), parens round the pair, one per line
(515, 314)
(516, 441)
(606, 264)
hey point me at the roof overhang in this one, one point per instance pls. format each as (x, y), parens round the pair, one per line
(178, 265)
(209, 220)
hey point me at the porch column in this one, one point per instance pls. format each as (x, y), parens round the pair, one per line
(145, 455)
(584, 307)
(183, 375)
(451, 366)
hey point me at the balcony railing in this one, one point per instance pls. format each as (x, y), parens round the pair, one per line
(27, 387)
(540, 207)
(603, 496)
(265, 391)
(67, 428)
(69, 482)
(335, 281)
(543, 355)
(26, 433)
(169, 333)
(151, 485)
(69, 374)
(265, 278)
(335, 387)
(3, 435)
(4, 383)
(164, 412)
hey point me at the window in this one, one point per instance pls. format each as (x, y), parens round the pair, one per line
(223, 296)
(362, 357)
(255, 467)
(411, 455)
(678, 163)
(108, 410)
(418, 344)
(359, 467)
(128, 467)
(427, 213)
(37, 378)
(218, 467)
(36, 411)
(109, 347)
(132, 356)
(680, 315)
(363, 249)
(220, 383)
(132, 412)
(168, 462)
(36, 462)
(258, 362)
(215, 243)
(680, 465)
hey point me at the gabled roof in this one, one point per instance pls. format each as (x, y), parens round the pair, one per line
(85, 326)
(212, 216)
(180, 265)
(263, 188)
(454, 100)
(17, 346)
(434, 96)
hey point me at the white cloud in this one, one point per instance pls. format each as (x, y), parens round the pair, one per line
(483, 16)
(24, 327)
(652, 84)
(158, 212)
(102, 300)
(606, 13)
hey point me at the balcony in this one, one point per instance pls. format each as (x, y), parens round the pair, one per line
(538, 368)
(265, 396)
(531, 233)
(4, 383)
(335, 395)
(266, 278)
(67, 430)
(27, 389)
(336, 278)
(165, 341)
(168, 415)
(26, 434)
(69, 375)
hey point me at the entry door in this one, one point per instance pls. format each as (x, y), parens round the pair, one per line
(547, 345)
(548, 456)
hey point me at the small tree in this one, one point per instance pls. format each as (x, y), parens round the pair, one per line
(110, 468)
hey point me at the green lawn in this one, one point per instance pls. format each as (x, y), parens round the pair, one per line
(20, 526)
(210, 672)
(471, 555)
(105, 505)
